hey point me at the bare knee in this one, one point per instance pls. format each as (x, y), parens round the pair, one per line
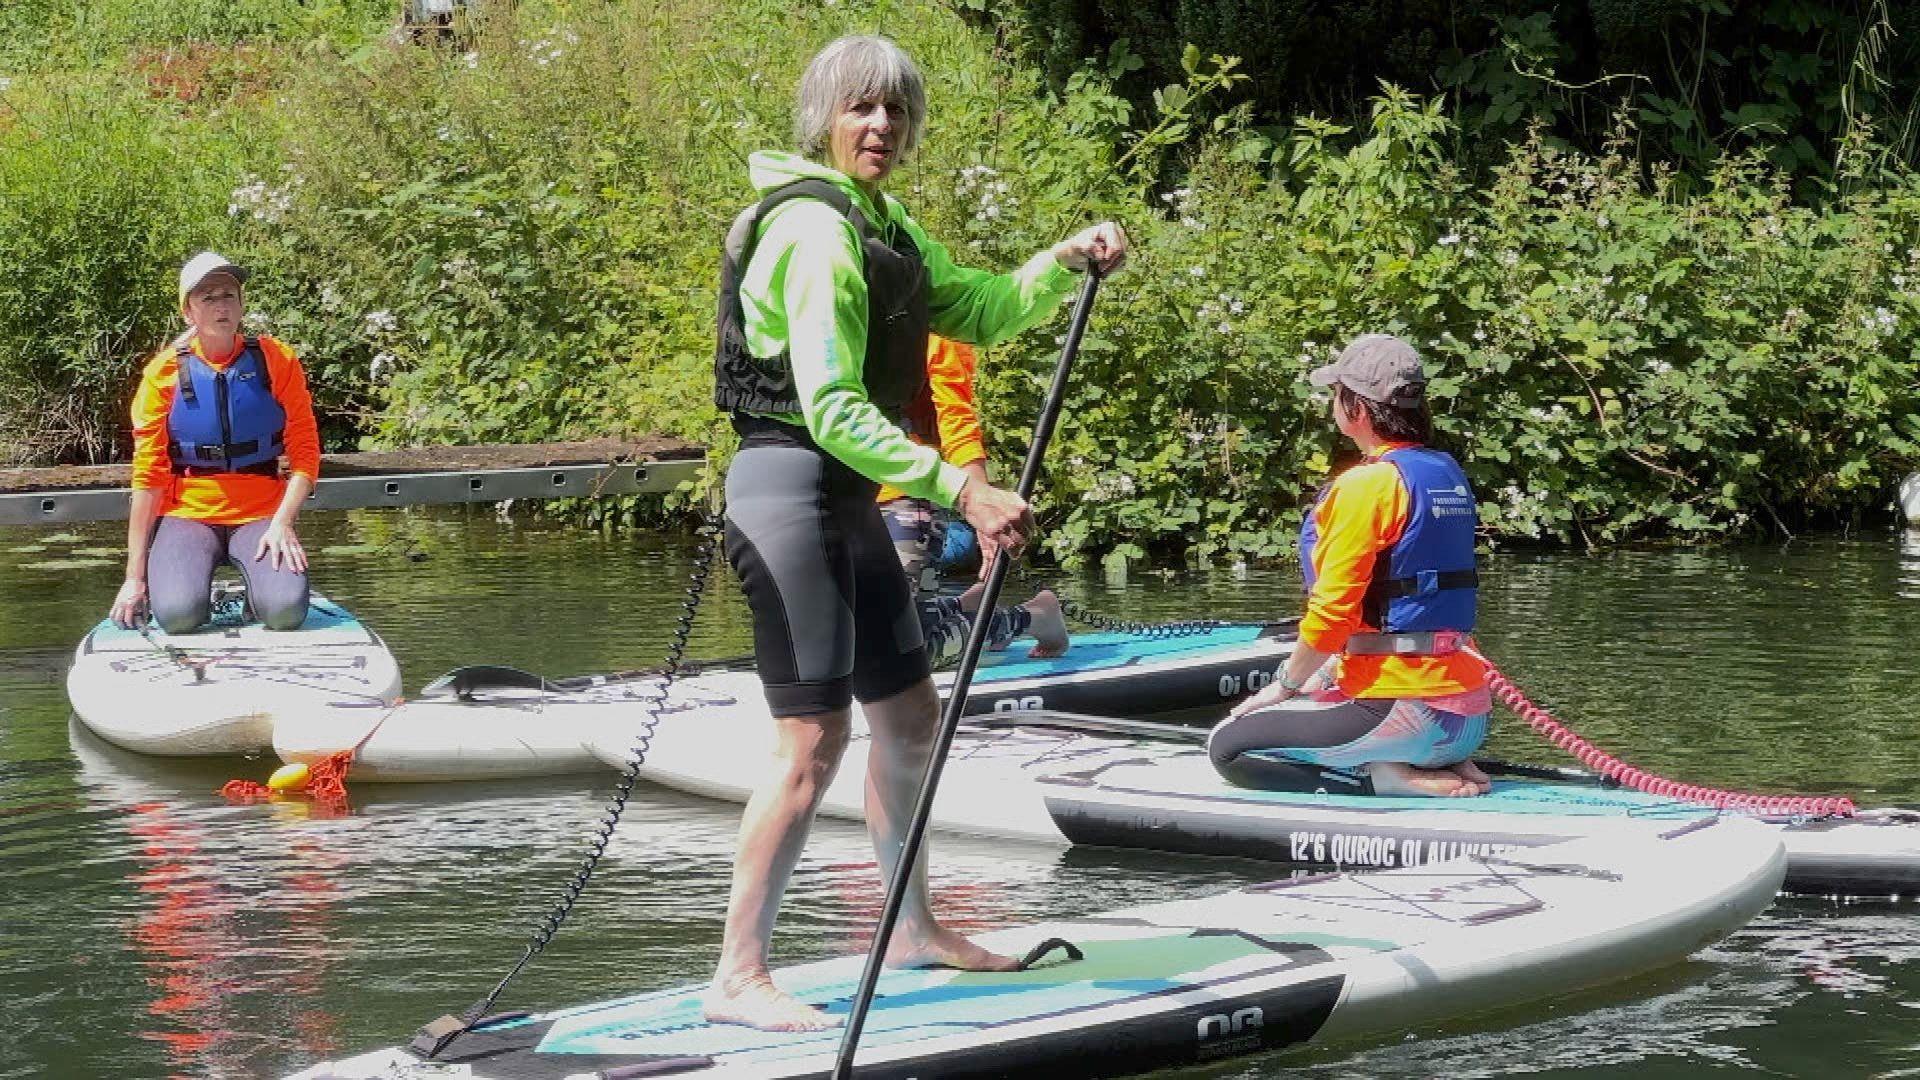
(809, 748)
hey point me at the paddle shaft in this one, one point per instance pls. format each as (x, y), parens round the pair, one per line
(957, 695)
(1197, 736)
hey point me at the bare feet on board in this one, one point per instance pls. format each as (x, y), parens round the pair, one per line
(1472, 774)
(754, 1001)
(1049, 625)
(1395, 778)
(945, 948)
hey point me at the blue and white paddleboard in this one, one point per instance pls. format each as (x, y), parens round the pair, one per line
(1042, 777)
(219, 689)
(1194, 668)
(1311, 960)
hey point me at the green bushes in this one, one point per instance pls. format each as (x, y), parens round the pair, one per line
(1610, 362)
(101, 196)
(516, 240)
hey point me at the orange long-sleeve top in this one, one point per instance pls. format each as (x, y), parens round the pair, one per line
(1361, 517)
(950, 368)
(230, 498)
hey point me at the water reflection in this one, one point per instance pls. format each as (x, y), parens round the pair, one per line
(151, 929)
(1910, 563)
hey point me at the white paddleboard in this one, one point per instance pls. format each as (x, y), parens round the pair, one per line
(219, 690)
(1313, 960)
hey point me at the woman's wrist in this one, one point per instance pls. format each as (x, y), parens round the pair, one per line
(1289, 685)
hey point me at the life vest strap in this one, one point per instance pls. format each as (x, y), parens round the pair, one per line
(1428, 581)
(1434, 643)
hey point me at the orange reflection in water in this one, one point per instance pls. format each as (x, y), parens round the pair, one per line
(237, 953)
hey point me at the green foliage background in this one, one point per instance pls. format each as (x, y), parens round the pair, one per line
(513, 237)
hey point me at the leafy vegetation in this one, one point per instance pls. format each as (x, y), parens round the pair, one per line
(512, 237)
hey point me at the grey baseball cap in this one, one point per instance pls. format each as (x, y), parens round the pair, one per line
(1378, 367)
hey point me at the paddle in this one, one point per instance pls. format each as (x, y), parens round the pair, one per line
(957, 697)
(463, 682)
(1197, 736)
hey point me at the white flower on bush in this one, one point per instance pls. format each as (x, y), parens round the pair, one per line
(471, 60)
(1220, 306)
(544, 52)
(1177, 199)
(6, 84)
(1660, 367)
(1509, 258)
(1113, 485)
(978, 182)
(1604, 221)
(1450, 239)
(383, 362)
(261, 202)
(256, 320)
(381, 322)
(1196, 271)
(1479, 333)
(330, 298)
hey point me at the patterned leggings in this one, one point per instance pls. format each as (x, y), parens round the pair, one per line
(1324, 727)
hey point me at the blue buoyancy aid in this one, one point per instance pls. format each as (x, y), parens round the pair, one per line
(225, 420)
(1425, 584)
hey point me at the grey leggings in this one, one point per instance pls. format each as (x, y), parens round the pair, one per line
(180, 564)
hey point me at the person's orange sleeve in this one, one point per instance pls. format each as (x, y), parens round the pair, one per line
(1362, 516)
(152, 468)
(290, 390)
(950, 369)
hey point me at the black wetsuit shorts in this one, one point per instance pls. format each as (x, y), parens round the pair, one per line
(833, 614)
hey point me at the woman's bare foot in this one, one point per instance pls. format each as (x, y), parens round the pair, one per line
(754, 1001)
(1049, 625)
(945, 948)
(1472, 774)
(1395, 778)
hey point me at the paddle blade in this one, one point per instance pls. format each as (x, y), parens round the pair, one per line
(464, 682)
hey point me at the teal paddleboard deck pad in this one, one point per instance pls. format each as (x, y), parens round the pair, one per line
(1131, 673)
(218, 689)
(1290, 962)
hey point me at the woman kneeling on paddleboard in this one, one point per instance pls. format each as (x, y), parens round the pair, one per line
(215, 411)
(946, 406)
(828, 291)
(1378, 696)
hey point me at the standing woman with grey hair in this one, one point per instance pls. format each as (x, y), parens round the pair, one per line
(828, 292)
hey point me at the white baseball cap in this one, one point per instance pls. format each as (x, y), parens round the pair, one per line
(204, 265)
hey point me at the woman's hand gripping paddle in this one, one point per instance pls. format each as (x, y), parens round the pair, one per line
(957, 697)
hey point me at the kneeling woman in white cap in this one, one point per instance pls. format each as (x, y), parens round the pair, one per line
(215, 412)
(1379, 696)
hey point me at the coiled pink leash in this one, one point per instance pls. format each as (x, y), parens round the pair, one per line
(1639, 779)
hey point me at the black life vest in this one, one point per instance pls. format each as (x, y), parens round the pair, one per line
(895, 369)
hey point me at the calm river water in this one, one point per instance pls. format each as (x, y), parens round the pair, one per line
(146, 929)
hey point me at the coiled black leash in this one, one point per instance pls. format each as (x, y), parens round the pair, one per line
(433, 1039)
(1079, 612)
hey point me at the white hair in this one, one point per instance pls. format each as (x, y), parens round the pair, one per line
(857, 68)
